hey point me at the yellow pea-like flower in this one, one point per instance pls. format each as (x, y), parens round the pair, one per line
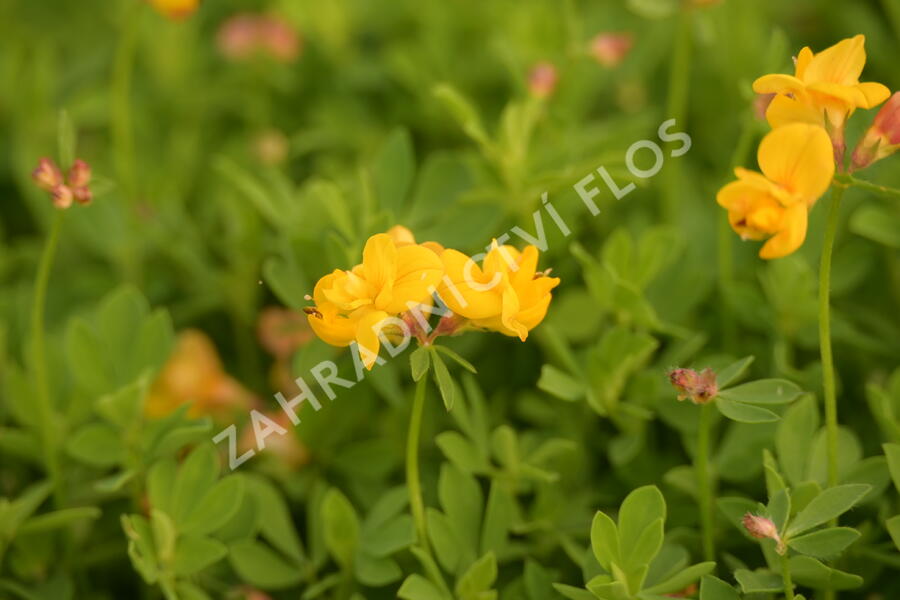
(351, 305)
(505, 294)
(825, 88)
(797, 168)
(175, 9)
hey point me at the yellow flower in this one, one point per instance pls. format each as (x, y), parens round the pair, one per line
(824, 89)
(404, 237)
(351, 305)
(175, 9)
(194, 374)
(506, 294)
(797, 167)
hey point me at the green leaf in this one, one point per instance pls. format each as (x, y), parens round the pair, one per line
(196, 476)
(779, 508)
(558, 383)
(461, 452)
(893, 527)
(419, 360)
(216, 507)
(479, 577)
(463, 502)
(96, 444)
(444, 539)
(877, 224)
(392, 170)
(161, 482)
(744, 413)
(810, 572)
(605, 540)
(58, 519)
(125, 405)
(416, 587)
(763, 391)
(194, 553)
(456, 358)
(712, 588)
(647, 545)
(573, 593)
(828, 505)
(341, 527)
(443, 380)
(259, 566)
(892, 452)
(827, 544)
(753, 582)
(795, 436)
(682, 579)
(642, 508)
(733, 372)
(376, 571)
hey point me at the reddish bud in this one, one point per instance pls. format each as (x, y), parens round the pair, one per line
(610, 49)
(542, 80)
(700, 386)
(763, 528)
(79, 174)
(761, 105)
(47, 175)
(62, 196)
(882, 138)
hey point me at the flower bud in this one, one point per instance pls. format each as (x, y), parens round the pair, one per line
(62, 196)
(83, 195)
(700, 386)
(882, 138)
(763, 528)
(79, 174)
(542, 80)
(609, 49)
(47, 175)
(175, 9)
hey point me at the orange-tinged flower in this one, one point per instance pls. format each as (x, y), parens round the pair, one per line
(194, 374)
(797, 167)
(505, 294)
(882, 138)
(352, 305)
(610, 48)
(74, 187)
(699, 386)
(542, 79)
(175, 9)
(825, 88)
(244, 36)
(281, 331)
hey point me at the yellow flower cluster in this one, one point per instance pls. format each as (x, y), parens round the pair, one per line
(797, 159)
(397, 277)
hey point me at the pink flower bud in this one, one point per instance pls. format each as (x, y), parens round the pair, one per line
(542, 80)
(237, 37)
(761, 104)
(83, 195)
(279, 39)
(882, 138)
(610, 49)
(62, 196)
(700, 387)
(79, 174)
(763, 528)
(47, 175)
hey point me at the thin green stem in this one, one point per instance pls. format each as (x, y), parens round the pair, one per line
(676, 103)
(786, 578)
(828, 384)
(704, 481)
(121, 126)
(416, 503)
(868, 186)
(46, 413)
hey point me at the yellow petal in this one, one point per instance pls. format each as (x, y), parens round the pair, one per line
(401, 235)
(874, 93)
(461, 297)
(800, 158)
(790, 237)
(367, 330)
(418, 272)
(842, 63)
(380, 260)
(803, 59)
(333, 328)
(778, 84)
(784, 110)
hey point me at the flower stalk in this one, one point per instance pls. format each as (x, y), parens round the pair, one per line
(705, 483)
(413, 484)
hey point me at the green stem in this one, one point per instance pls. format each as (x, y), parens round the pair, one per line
(786, 578)
(828, 385)
(868, 186)
(676, 102)
(704, 480)
(121, 126)
(412, 464)
(46, 413)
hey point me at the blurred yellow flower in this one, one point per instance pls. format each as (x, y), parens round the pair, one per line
(194, 374)
(797, 167)
(824, 89)
(351, 305)
(506, 294)
(175, 9)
